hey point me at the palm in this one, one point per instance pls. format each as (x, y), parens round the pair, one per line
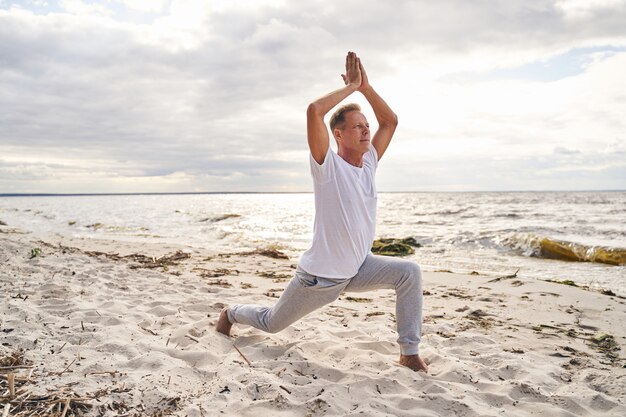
(364, 81)
(353, 70)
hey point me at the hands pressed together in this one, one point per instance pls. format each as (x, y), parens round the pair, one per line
(355, 73)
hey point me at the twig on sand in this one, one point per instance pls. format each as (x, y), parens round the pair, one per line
(152, 332)
(112, 373)
(242, 355)
(505, 277)
(68, 367)
(67, 406)
(9, 368)
(11, 382)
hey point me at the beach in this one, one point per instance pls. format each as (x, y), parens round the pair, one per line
(109, 327)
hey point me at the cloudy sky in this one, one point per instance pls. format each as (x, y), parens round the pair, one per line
(184, 95)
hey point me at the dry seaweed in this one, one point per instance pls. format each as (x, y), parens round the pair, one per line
(18, 400)
(359, 299)
(271, 294)
(456, 292)
(606, 344)
(480, 318)
(13, 360)
(220, 283)
(18, 397)
(269, 252)
(513, 275)
(273, 275)
(571, 283)
(219, 272)
(142, 261)
(568, 282)
(152, 262)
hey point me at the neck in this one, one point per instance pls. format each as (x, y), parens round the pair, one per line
(351, 157)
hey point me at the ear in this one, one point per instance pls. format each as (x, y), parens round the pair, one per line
(337, 134)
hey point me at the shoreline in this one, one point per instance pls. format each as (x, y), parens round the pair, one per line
(134, 334)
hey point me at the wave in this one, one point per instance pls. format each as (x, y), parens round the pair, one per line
(219, 218)
(112, 228)
(544, 247)
(447, 212)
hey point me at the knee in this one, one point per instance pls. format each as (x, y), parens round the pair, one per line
(414, 271)
(413, 274)
(275, 328)
(272, 324)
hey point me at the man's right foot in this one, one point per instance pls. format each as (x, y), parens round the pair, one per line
(223, 325)
(414, 362)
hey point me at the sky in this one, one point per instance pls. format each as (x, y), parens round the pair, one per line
(210, 96)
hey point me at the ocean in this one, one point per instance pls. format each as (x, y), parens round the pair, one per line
(495, 233)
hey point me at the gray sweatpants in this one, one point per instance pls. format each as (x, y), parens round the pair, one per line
(306, 293)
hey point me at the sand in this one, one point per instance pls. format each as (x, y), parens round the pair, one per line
(107, 335)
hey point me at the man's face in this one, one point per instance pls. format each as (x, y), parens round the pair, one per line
(355, 135)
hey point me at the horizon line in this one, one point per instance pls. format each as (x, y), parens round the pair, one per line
(286, 192)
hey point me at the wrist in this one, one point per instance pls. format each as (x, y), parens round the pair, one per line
(352, 87)
(366, 89)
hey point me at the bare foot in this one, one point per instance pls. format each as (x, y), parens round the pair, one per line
(414, 362)
(223, 325)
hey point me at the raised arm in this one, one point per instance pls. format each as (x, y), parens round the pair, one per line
(387, 119)
(317, 132)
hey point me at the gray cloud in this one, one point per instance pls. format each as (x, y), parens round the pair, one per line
(75, 89)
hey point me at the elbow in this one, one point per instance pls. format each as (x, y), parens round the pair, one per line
(394, 120)
(391, 121)
(313, 110)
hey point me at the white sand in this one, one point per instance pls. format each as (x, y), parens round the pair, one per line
(141, 341)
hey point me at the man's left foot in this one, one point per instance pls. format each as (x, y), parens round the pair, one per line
(223, 325)
(414, 362)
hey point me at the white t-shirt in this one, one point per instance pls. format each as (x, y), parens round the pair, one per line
(345, 216)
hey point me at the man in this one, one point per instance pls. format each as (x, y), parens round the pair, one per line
(340, 257)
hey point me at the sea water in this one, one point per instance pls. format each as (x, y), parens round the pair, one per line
(491, 233)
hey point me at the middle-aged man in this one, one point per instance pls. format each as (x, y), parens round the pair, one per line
(340, 257)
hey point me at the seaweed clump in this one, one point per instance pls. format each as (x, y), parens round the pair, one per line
(605, 343)
(395, 247)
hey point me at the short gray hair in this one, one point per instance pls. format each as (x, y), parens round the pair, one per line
(339, 117)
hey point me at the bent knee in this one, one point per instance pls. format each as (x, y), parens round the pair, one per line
(414, 275)
(275, 328)
(414, 270)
